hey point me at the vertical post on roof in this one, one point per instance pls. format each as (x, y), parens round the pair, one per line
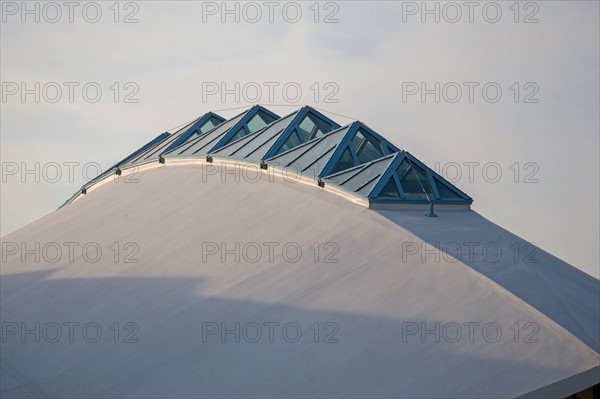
(431, 213)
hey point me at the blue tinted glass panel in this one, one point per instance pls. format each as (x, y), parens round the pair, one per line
(413, 180)
(210, 124)
(390, 190)
(312, 127)
(240, 133)
(292, 142)
(345, 162)
(259, 121)
(191, 136)
(445, 192)
(366, 147)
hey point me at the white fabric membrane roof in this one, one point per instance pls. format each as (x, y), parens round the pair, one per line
(392, 304)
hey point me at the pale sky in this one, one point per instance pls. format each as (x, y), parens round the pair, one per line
(542, 133)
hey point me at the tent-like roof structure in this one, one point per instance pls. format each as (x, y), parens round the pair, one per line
(185, 134)
(349, 146)
(152, 151)
(284, 134)
(353, 158)
(398, 177)
(235, 128)
(389, 302)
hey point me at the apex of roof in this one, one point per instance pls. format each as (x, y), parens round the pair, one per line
(354, 157)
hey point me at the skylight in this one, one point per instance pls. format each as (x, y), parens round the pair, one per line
(312, 127)
(367, 148)
(258, 121)
(354, 157)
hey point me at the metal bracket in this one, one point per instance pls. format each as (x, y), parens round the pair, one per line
(431, 214)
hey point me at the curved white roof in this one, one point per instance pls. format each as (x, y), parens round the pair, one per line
(372, 296)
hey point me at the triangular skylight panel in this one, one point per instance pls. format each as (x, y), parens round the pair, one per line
(413, 180)
(313, 127)
(144, 149)
(360, 180)
(345, 148)
(279, 136)
(193, 129)
(345, 162)
(310, 158)
(237, 127)
(397, 178)
(445, 191)
(352, 158)
(390, 190)
(197, 130)
(292, 142)
(366, 147)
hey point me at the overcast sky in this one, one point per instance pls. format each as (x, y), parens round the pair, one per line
(366, 60)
